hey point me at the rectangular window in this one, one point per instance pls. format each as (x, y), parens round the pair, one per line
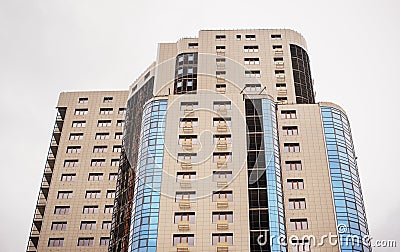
(222, 157)
(108, 209)
(189, 106)
(282, 100)
(98, 162)
(183, 239)
(102, 136)
(250, 37)
(222, 121)
(73, 149)
(187, 140)
(92, 194)
(61, 210)
(252, 73)
(220, 37)
(288, 114)
(86, 242)
(222, 105)
(220, 49)
(187, 157)
(300, 245)
(222, 238)
(276, 36)
(95, 177)
(83, 100)
(71, 163)
(107, 99)
(218, 216)
(75, 136)
(293, 165)
(298, 224)
(100, 149)
(220, 60)
(291, 147)
(220, 73)
(217, 175)
(252, 61)
(59, 226)
(280, 86)
(114, 162)
(185, 175)
(81, 112)
(113, 176)
(295, 184)
(68, 177)
(118, 135)
(117, 148)
(106, 111)
(193, 45)
(290, 130)
(220, 88)
(238, 37)
(78, 124)
(297, 203)
(90, 209)
(88, 225)
(222, 139)
(121, 111)
(188, 122)
(184, 216)
(110, 194)
(64, 194)
(106, 225)
(187, 195)
(253, 48)
(56, 242)
(103, 123)
(104, 241)
(222, 195)
(256, 87)
(120, 123)
(277, 47)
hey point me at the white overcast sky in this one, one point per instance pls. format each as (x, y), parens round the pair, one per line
(50, 46)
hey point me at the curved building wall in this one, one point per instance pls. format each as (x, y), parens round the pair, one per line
(346, 188)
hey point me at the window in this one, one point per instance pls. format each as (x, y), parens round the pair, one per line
(107, 99)
(220, 37)
(300, 245)
(193, 45)
(256, 87)
(185, 175)
(298, 224)
(68, 177)
(252, 61)
(95, 177)
(218, 216)
(220, 88)
(187, 140)
(220, 61)
(118, 135)
(90, 209)
(222, 139)
(222, 105)
(217, 175)
(183, 238)
(295, 184)
(102, 136)
(78, 124)
(280, 86)
(121, 111)
(187, 157)
(117, 148)
(220, 49)
(81, 111)
(106, 225)
(288, 114)
(250, 37)
(218, 121)
(98, 162)
(71, 163)
(276, 47)
(188, 122)
(59, 226)
(106, 111)
(88, 225)
(184, 216)
(120, 123)
(113, 176)
(76, 136)
(108, 209)
(222, 195)
(187, 195)
(110, 194)
(293, 165)
(64, 194)
(291, 147)
(238, 37)
(297, 203)
(103, 123)
(61, 210)
(83, 100)
(56, 242)
(222, 238)
(100, 149)
(92, 194)
(114, 162)
(282, 100)
(290, 130)
(189, 106)
(104, 241)
(222, 157)
(74, 149)
(253, 48)
(252, 73)
(276, 36)
(86, 242)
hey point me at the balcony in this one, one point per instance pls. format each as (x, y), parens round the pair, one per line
(278, 52)
(185, 183)
(222, 225)
(187, 144)
(221, 90)
(222, 162)
(220, 53)
(183, 226)
(186, 165)
(222, 203)
(182, 247)
(221, 182)
(282, 91)
(187, 127)
(222, 127)
(184, 204)
(188, 109)
(220, 79)
(279, 65)
(221, 110)
(280, 77)
(222, 247)
(222, 144)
